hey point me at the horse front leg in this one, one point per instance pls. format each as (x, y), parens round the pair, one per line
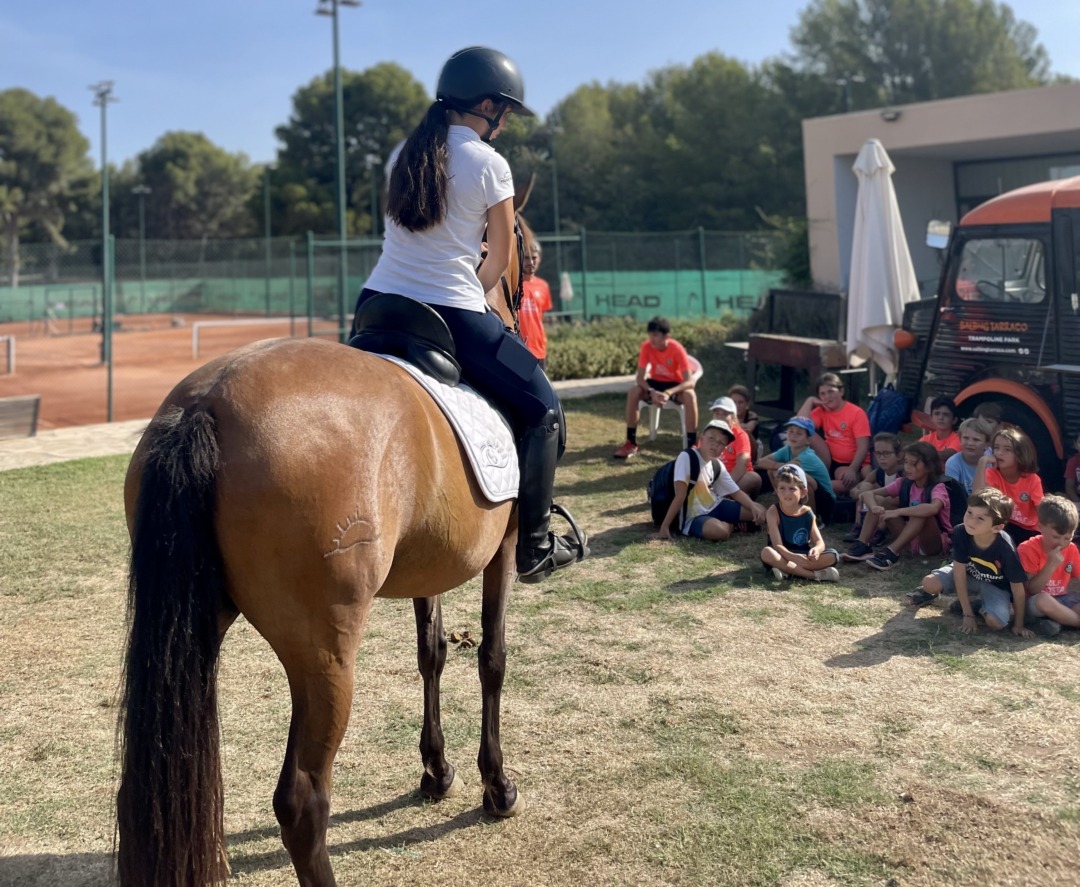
(501, 796)
(439, 779)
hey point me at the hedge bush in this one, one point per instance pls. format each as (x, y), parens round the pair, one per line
(609, 346)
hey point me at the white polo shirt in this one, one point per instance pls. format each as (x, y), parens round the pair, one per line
(438, 266)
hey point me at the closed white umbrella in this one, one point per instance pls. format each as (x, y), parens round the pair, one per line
(882, 278)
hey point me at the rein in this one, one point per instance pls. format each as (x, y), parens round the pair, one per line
(513, 299)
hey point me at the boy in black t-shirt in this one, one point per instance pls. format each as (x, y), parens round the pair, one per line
(985, 562)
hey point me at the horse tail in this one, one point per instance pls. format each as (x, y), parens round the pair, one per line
(170, 803)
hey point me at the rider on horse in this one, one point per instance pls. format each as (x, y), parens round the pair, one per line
(447, 187)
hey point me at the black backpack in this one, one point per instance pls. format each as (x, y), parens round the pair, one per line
(661, 489)
(957, 497)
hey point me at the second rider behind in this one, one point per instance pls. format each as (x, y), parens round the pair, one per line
(447, 186)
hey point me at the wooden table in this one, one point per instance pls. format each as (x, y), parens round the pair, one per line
(791, 353)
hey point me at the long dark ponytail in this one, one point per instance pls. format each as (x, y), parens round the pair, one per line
(417, 194)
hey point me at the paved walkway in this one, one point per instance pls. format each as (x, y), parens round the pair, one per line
(117, 438)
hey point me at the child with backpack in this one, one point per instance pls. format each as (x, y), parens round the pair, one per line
(795, 545)
(701, 506)
(1013, 467)
(887, 467)
(918, 509)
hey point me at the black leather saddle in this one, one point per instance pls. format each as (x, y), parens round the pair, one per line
(391, 324)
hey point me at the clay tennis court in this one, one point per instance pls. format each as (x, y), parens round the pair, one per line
(151, 353)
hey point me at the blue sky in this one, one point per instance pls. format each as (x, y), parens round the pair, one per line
(228, 68)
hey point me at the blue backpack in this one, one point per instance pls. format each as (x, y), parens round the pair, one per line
(888, 411)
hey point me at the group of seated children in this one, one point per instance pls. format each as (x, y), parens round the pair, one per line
(973, 491)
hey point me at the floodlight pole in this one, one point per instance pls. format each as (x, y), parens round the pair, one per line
(267, 232)
(102, 96)
(330, 8)
(371, 161)
(141, 191)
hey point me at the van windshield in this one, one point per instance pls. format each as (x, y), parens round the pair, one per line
(1001, 269)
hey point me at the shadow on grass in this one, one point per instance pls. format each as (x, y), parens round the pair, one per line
(937, 637)
(398, 841)
(69, 869)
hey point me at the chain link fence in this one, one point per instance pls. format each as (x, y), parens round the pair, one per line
(683, 274)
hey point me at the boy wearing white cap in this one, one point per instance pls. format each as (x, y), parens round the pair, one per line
(737, 454)
(709, 514)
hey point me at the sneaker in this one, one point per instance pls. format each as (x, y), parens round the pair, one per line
(829, 574)
(885, 559)
(1045, 628)
(853, 533)
(777, 573)
(879, 538)
(860, 551)
(626, 451)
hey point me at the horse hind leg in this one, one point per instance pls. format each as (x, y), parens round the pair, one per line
(439, 780)
(501, 796)
(321, 698)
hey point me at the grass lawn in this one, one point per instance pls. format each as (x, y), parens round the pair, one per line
(671, 715)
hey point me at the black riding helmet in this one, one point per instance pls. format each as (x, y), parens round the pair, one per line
(477, 73)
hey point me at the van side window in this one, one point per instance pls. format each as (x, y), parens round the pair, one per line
(1001, 269)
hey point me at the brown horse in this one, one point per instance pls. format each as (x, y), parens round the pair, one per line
(293, 481)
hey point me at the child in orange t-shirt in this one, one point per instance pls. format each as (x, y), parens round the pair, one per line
(942, 436)
(843, 441)
(535, 300)
(1052, 562)
(1012, 468)
(663, 374)
(738, 454)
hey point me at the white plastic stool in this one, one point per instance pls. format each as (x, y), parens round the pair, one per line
(653, 413)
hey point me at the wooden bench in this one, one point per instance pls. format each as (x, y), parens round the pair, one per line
(19, 415)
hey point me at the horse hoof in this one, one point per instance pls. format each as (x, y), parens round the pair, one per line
(504, 811)
(437, 789)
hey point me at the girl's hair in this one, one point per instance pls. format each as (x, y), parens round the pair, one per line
(742, 391)
(1027, 462)
(417, 195)
(887, 437)
(979, 426)
(929, 457)
(788, 473)
(830, 379)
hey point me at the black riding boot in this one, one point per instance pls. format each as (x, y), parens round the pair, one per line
(539, 551)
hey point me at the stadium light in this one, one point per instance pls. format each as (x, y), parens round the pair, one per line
(102, 96)
(330, 8)
(141, 191)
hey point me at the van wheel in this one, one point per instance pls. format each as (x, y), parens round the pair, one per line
(1016, 413)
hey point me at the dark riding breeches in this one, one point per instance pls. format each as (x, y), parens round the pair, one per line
(497, 364)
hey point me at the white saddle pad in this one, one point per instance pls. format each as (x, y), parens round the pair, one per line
(484, 433)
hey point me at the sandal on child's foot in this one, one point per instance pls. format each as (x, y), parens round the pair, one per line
(920, 597)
